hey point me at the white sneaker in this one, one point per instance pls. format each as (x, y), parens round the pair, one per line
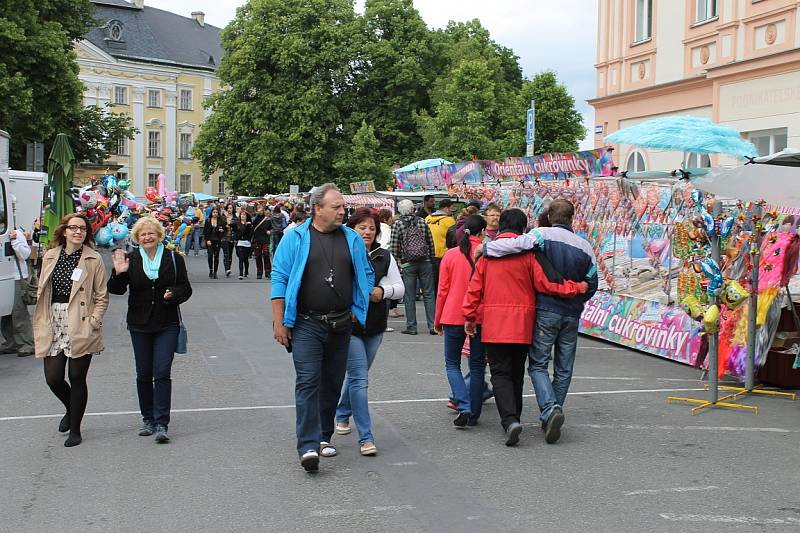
(310, 461)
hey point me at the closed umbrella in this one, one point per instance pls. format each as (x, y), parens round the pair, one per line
(60, 168)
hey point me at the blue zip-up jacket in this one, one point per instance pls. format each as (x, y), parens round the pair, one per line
(289, 263)
(570, 255)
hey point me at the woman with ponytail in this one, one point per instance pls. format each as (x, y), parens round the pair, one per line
(455, 271)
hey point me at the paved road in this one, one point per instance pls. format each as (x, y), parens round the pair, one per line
(627, 461)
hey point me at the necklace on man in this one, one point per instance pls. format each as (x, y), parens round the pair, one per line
(329, 279)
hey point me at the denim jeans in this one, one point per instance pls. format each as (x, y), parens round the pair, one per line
(354, 401)
(193, 239)
(559, 331)
(227, 254)
(154, 353)
(422, 272)
(469, 399)
(320, 362)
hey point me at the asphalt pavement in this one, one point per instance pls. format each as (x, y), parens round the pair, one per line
(627, 461)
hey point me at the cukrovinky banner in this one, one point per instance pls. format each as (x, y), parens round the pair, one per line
(553, 166)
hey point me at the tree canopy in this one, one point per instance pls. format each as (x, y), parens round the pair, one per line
(39, 85)
(315, 92)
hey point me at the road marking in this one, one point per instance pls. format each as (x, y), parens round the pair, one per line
(728, 519)
(405, 463)
(350, 512)
(673, 489)
(291, 406)
(638, 427)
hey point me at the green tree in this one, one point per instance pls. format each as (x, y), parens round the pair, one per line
(39, 84)
(476, 105)
(289, 70)
(98, 131)
(361, 162)
(400, 65)
(559, 126)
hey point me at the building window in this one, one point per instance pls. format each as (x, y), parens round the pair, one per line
(153, 98)
(122, 176)
(221, 185)
(186, 183)
(120, 147)
(768, 141)
(706, 10)
(698, 161)
(152, 179)
(153, 144)
(121, 95)
(186, 99)
(644, 20)
(186, 145)
(635, 163)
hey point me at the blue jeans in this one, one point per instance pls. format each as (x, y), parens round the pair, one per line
(422, 272)
(354, 401)
(561, 332)
(320, 362)
(469, 399)
(193, 239)
(154, 353)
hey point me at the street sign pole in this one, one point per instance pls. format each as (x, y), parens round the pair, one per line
(530, 129)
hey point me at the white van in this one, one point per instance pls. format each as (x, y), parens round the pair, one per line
(7, 264)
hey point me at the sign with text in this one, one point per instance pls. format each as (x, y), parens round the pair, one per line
(359, 187)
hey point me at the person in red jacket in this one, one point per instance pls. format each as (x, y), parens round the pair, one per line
(454, 273)
(502, 298)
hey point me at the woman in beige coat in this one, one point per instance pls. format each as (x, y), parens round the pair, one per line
(68, 317)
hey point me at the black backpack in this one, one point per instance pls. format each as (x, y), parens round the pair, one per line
(450, 237)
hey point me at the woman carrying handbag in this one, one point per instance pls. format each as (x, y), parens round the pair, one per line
(158, 284)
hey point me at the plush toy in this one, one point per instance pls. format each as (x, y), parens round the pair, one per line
(733, 294)
(711, 320)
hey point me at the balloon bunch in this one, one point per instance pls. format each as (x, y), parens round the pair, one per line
(108, 201)
(160, 192)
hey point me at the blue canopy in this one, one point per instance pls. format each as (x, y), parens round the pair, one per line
(685, 134)
(425, 163)
(202, 197)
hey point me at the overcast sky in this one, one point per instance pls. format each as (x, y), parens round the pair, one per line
(545, 34)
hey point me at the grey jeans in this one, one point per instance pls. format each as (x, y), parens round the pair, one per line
(16, 328)
(418, 274)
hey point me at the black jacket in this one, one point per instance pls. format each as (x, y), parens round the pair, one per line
(214, 233)
(241, 232)
(377, 313)
(147, 309)
(261, 229)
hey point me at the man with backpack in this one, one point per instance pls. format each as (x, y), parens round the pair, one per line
(412, 247)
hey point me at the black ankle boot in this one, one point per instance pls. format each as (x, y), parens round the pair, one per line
(63, 426)
(73, 440)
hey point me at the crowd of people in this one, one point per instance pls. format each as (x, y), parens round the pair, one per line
(486, 281)
(496, 287)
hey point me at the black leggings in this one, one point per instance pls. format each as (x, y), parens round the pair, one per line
(74, 395)
(227, 254)
(244, 259)
(213, 256)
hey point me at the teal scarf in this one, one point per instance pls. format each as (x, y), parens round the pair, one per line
(151, 266)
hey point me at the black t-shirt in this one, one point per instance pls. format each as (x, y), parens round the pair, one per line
(328, 277)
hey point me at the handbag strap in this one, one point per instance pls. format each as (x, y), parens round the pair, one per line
(175, 273)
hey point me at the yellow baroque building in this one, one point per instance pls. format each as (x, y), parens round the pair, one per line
(158, 67)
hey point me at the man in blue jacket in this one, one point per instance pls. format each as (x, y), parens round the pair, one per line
(557, 319)
(321, 281)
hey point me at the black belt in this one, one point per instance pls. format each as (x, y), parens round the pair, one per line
(333, 320)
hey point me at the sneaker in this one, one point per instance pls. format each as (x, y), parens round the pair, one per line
(552, 431)
(240, 277)
(512, 433)
(462, 419)
(368, 448)
(432, 331)
(343, 428)
(161, 434)
(452, 405)
(408, 332)
(310, 461)
(227, 273)
(388, 330)
(147, 429)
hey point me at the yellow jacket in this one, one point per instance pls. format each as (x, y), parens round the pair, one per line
(438, 224)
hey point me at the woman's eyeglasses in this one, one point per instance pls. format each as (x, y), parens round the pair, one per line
(76, 229)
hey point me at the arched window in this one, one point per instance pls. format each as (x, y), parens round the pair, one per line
(635, 163)
(698, 161)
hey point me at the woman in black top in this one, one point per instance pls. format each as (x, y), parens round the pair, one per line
(158, 284)
(227, 243)
(213, 232)
(242, 233)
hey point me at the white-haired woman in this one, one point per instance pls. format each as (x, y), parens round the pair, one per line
(158, 283)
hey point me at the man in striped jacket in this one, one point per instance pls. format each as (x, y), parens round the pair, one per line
(557, 319)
